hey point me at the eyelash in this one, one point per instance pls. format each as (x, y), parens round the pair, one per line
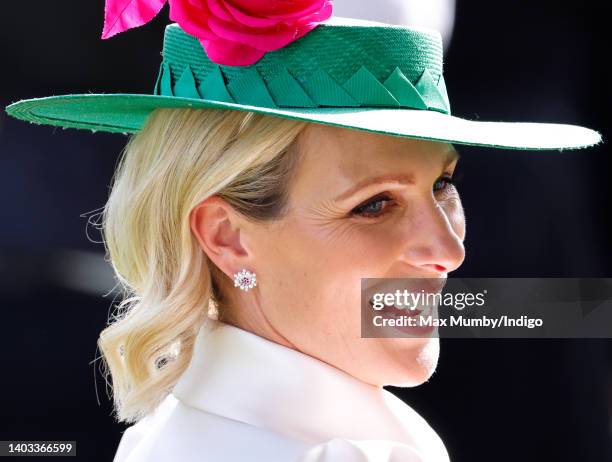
(449, 182)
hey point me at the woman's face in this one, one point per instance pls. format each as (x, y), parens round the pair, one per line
(360, 205)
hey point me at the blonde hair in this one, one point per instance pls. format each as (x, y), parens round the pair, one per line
(179, 158)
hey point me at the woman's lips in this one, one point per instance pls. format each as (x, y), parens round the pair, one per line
(396, 311)
(419, 314)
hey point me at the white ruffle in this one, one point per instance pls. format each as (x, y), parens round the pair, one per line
(345, 450)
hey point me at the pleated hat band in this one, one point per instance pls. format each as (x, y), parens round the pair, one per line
(334, 65)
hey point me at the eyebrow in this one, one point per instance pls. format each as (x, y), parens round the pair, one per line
(405, 179)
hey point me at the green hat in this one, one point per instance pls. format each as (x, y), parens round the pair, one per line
(351, 73)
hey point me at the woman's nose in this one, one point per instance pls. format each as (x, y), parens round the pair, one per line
(434, 242)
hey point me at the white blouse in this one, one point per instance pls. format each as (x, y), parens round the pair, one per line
(245, 398)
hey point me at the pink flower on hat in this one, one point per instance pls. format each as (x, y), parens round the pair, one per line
(233, 32)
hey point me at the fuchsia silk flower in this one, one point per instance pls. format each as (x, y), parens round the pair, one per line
(233, 32)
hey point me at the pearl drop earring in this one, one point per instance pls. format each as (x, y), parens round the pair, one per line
(245, 280)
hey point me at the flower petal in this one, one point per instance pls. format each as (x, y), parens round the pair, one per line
(248, 20)
(266, 39)
(318, 17)
(121, 15)
(192, 18)
(219, 9)
(309, 9)
(230, 53)
(279, 8)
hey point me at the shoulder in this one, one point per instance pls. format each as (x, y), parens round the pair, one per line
(180, 432)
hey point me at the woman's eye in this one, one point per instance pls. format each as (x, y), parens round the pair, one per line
(372, 208)
(444, 183)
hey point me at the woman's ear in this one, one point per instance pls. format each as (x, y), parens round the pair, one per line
(220, 233)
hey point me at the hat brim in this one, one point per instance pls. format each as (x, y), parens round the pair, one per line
(127, 113)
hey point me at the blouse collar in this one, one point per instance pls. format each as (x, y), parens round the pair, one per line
(242, 376)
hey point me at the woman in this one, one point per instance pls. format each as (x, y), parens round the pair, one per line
(267, 176)
(300, 368)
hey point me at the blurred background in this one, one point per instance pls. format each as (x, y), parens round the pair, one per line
(528, 214)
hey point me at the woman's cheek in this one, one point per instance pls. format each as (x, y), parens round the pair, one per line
(378, 247)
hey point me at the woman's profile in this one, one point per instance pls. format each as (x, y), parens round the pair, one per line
(284, 155)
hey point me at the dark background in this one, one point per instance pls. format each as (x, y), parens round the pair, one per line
(528, 214)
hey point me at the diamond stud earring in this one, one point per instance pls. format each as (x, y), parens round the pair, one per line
(245, 280)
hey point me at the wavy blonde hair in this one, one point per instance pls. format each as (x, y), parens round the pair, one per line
(179, 158)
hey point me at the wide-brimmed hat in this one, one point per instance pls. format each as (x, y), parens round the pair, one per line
(344, 72)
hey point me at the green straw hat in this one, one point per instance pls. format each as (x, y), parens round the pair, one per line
(345, 72)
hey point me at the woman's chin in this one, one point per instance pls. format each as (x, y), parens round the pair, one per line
(416, 364)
